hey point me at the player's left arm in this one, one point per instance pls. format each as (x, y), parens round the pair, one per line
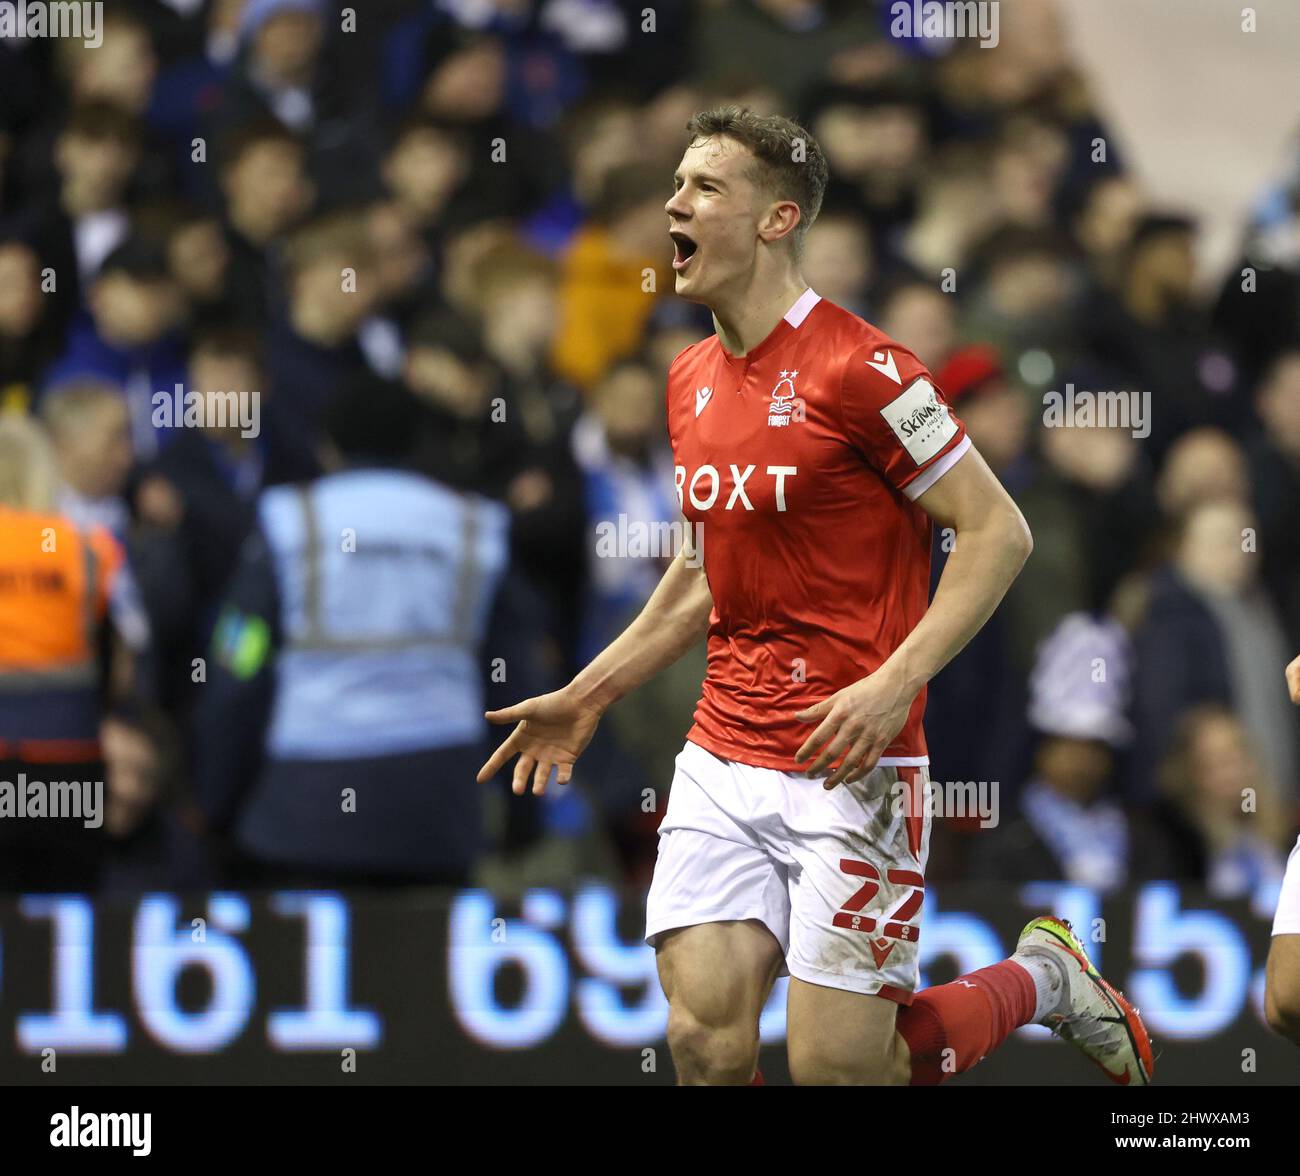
(992, 544)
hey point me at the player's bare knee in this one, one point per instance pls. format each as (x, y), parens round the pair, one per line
(717, 1054)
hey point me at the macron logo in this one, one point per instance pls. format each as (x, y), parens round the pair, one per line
(885, 365)
(701, 399)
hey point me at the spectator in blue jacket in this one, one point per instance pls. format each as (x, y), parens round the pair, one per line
(342, 726)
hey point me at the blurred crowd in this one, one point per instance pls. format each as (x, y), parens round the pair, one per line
(263, 264)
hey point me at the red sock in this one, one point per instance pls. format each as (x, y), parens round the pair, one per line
(757, 1079)
(969, 1017)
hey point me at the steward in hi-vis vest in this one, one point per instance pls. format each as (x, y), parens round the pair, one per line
(60, 587)
(55, 583)
(344, 705)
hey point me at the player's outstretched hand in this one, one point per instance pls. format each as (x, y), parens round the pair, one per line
(857, 723)
(552, 732)
(1293, 680)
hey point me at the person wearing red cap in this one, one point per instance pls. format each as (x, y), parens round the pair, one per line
(993, 409)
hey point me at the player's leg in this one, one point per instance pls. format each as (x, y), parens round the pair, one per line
(1282, 982)
(717, 915)
(857, 892)
(855, 860)
(842, 1038)
(857, 888)
(717, 977)
(856, 906)
(1048, 981)
(948, 1028)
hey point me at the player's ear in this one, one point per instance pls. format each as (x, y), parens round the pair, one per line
(780, 221)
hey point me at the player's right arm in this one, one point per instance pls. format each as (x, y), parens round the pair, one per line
(553, 729)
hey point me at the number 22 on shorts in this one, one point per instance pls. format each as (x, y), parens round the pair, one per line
(896, 925)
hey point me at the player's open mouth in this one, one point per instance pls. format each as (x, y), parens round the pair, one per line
(684, 250)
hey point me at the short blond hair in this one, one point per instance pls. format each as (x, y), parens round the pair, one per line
(28, 475)
(66, 406)
(506, 265)
(334, 235)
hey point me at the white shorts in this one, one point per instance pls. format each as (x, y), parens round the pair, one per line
(838, 877)
(1287, 919)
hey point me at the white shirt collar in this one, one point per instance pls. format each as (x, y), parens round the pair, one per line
(799, 311)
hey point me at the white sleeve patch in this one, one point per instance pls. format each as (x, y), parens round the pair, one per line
(919, 421)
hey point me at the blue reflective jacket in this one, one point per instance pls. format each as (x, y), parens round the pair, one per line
(386, 581)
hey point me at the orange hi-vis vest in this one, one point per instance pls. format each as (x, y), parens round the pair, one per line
(55, 582)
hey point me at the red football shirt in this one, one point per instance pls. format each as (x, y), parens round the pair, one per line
(798, 466)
